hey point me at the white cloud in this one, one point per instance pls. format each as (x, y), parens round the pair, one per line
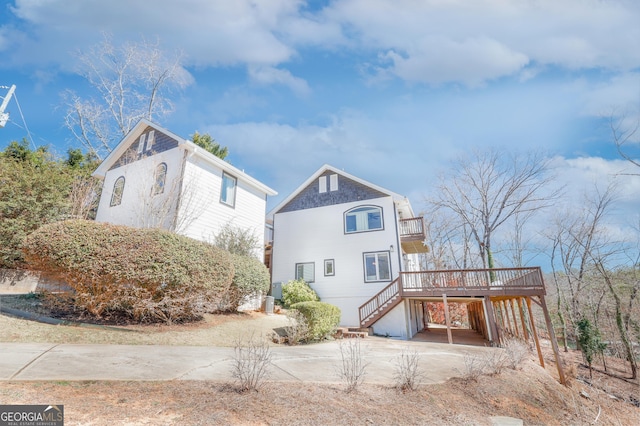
(429, 40)
(485, 39)
(270, 75)
(472, 61)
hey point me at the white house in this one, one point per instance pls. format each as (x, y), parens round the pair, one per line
(154, 178)
(349, 239)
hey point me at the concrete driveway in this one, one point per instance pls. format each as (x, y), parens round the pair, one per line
(307, 363)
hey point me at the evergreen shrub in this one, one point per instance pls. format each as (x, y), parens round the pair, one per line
(321, 318)
(297, 291)
(147, 275)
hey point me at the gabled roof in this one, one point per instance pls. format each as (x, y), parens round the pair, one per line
(401, 201)
(188, 145)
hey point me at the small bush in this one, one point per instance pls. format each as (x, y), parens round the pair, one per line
(322, 318)
(143, 274)
(352, 368)
(407, 371)
(516, 352)
(251, 363)
(250, 277)
(298, 291)
(298, 330)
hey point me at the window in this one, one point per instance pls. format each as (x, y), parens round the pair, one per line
(151, 139)
(228, 193)
(329, 269)
(367, 218)
(333, 182)
(160, 179)
(141, 144)
(306, 272)
(118, 189)
(377, 266)
(322, 184)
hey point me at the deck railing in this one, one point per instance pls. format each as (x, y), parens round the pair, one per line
(472, 281)
(373, 307)
(412, 227)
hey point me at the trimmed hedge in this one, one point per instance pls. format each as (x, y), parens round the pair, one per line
(251, 277)
(145, 274)
(297, 291)
(322, 318)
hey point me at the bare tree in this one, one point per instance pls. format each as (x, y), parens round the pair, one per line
(491, 187)
(131, 81)
(621, 138)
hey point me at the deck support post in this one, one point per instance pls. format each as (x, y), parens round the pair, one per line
(447, 318)
(534, 332)
(554, 342)
(522, 320)
(492, 328)
(513, 314)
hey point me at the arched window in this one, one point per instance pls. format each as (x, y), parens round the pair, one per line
(160, 178)
(118, 189)
(363, 218)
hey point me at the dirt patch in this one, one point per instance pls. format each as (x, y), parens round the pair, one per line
(529, 394)
(532, 393)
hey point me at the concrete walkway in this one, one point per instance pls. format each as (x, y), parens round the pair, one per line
(307, 363)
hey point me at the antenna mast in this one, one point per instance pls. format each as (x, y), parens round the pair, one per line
(4, 116)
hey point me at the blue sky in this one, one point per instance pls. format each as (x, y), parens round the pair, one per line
(389, 91)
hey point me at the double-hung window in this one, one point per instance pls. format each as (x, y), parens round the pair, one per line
(306, 272)
(377, 266)
(365, 218)
(228, 193)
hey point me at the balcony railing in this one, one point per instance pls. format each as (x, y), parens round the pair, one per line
(413, 227)
(472, 282)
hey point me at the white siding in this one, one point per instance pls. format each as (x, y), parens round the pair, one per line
(313, 235)
(202, 214)
(139, 207)
(394, 323)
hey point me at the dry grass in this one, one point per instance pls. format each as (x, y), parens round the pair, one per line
(528, 394)
(213, 330)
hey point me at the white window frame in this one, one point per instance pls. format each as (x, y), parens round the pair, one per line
(322, 184)
(329, 267)
(380, 275)
(333, 182)
(306, 271)
(141, 143)
(118, 191)
(224, 190)
(160, 179)
(361, 215)
(151, 139)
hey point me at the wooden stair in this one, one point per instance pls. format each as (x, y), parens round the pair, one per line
(380, 304)
(351, 332)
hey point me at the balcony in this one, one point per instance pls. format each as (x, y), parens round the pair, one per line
(412, 235)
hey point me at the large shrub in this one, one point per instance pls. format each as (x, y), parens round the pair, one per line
(322, 318)
(297, 291)
(251, 277)
(145, 274)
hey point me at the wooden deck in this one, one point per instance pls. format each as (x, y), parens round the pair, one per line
(492, 283)
(498, 301)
